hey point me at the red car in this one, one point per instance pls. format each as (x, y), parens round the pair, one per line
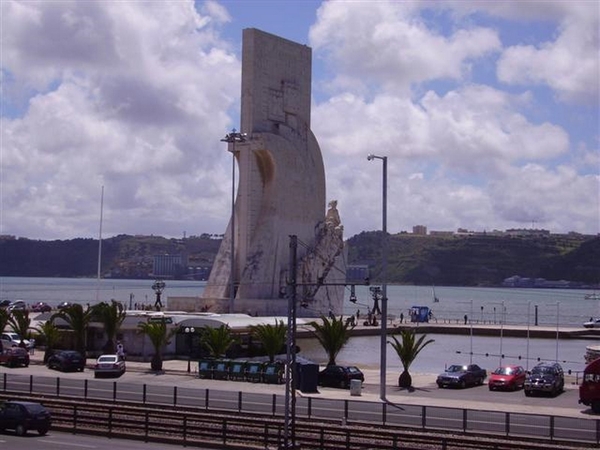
(507, 378)
(41, 307)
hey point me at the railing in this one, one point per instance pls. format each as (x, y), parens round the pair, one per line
(540, 427)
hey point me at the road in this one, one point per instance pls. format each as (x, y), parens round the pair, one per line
(55, 440)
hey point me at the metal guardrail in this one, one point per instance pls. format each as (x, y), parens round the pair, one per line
(542, 428)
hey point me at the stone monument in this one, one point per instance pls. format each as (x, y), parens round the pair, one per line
(281, 192)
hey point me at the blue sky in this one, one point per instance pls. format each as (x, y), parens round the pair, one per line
(487, 111)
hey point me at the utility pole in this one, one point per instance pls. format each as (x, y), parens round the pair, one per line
(289, 427)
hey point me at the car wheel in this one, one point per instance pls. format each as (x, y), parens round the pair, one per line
(527, 393)
(596, 406)
(463, 384)
(42, 431)
(480, 381)
(490, 388)
(20, 430)
(96, 375)
(342, 384)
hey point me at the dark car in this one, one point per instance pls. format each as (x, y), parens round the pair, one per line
(63, 305)
(461, 376)
(41, 307)
(339, 376)
(5, 303)
(14, 356)
(66, 361)
(24, 416)
(545, 377)
(507, 378)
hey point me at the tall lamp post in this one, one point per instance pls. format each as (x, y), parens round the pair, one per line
(189, 332)
(384, 252)
(232, 138)
(158, 287)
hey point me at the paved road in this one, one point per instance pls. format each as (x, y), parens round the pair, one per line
(426, 391)
(56, 440)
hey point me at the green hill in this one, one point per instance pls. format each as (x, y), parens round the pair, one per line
(469, 260)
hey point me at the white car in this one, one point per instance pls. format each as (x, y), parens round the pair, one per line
(594, 323)
(13, 340)
(109, 365)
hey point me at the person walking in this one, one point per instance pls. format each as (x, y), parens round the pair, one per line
(120, 351)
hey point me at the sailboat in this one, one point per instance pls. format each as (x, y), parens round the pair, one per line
(435, 298)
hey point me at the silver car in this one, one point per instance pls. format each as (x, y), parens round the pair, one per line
(109, 365)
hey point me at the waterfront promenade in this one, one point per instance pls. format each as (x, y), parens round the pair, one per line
(487, 329)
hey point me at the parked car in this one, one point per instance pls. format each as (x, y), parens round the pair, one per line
(507, 378)
(24, 416)
(461, 376)
(109, 365)
(41, 307)
(66, 361)
(5, 303)
(63, 305)
(545, 377)
(589, 390)
(19, 305)
(592, 323)
(14, 356)
(340, 376)
(11, 339)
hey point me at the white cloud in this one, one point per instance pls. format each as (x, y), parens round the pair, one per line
(135, 96)
(390, 44)
(130, 95)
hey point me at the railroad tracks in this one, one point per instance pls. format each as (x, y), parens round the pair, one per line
(210, 429)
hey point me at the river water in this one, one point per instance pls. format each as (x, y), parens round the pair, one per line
(555, 307)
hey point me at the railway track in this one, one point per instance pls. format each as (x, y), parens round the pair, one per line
(217, 430)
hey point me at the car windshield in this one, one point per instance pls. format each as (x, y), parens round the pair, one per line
(542, 371)
(504, 371)
(353, 370)
(104, 359)
(456, 368)
(34, 408)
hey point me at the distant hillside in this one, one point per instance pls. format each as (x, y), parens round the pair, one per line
(478, 260)
(481, 260)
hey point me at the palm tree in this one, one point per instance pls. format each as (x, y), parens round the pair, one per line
(111, 315)
(407, 351)
(332, 334)
(50, 336)
(3, 320)
(159, 337)
(272, 337)
(217, 340)
(20, 323)
(78, 320)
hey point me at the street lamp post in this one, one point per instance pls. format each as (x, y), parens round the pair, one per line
(232, 138)
(384, 252)
(189, 331)
(158, 287)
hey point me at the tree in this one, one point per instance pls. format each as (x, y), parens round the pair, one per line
(20, 323)
(111, 315)
(272, 337)
(332, 334)
(217, 340)
(78, 320)
(3, 319)
(159, 337)
(50, 336)
(407, 351)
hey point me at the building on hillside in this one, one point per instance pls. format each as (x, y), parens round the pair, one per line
(420, 230)
(169, 266)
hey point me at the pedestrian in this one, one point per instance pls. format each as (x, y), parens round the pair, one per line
(466, 318)
(120, 351)
(32, 346)
(401, 317)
